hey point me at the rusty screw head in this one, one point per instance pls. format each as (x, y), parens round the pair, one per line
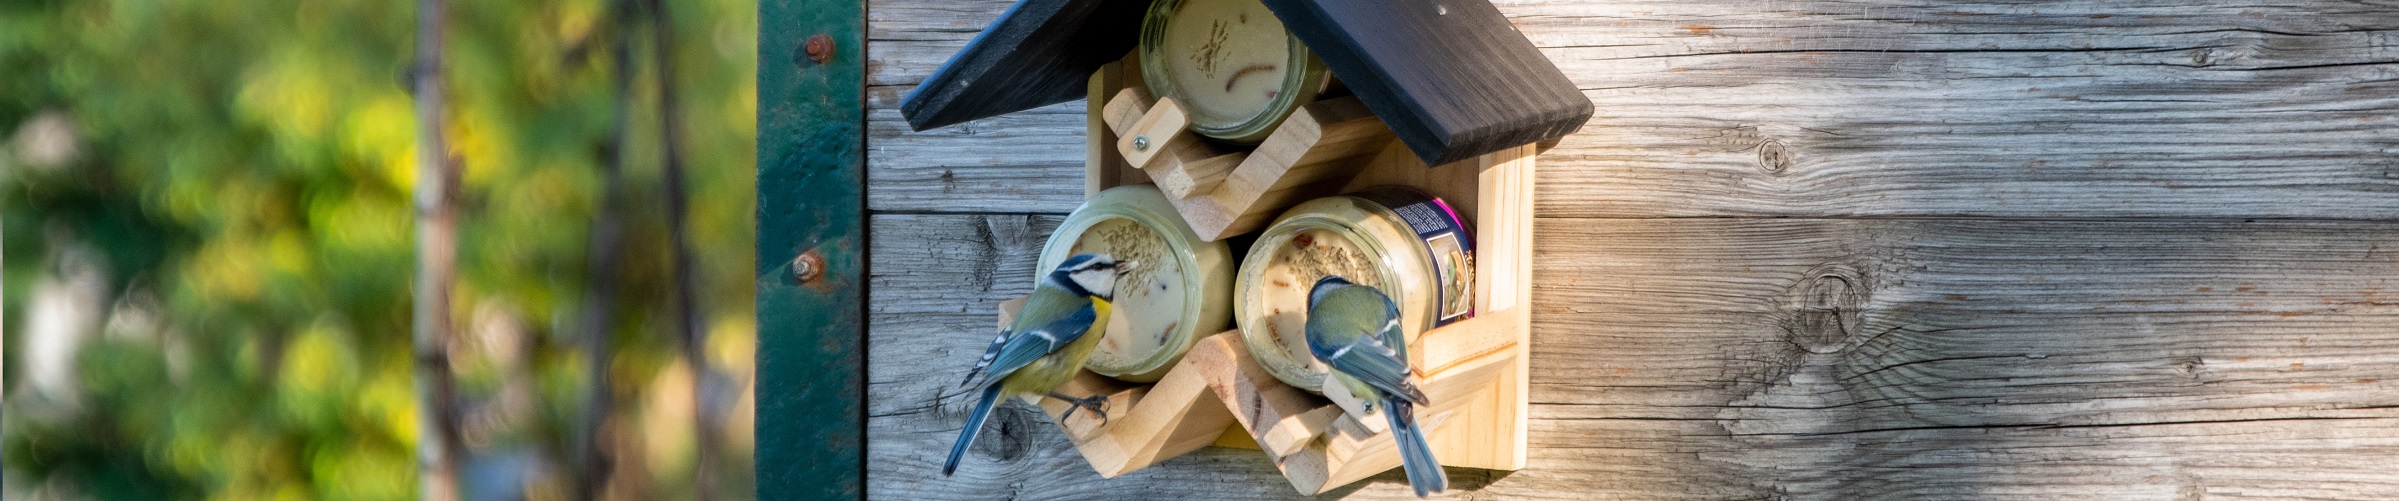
(807, 267)
(819, 48)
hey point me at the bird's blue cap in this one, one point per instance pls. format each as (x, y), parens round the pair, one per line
(1323, 285)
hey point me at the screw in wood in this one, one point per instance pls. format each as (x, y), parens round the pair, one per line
(1141, 143)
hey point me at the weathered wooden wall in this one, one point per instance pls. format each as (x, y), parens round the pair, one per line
(1814, 250)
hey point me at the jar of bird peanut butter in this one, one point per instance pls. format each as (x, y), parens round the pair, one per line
(1176, 292)
(1411, 246)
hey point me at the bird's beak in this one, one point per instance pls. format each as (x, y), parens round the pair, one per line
(1126, 265)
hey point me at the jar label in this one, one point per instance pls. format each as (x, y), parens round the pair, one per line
(1446, 240)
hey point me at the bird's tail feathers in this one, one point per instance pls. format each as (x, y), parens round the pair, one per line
(1415, 456)
(1409, 392)
(974, 426)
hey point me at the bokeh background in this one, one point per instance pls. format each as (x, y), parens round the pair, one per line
(208, 247)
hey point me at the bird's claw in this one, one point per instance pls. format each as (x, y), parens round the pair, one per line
(1097, 404)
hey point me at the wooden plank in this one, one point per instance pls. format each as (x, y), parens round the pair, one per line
(1966, 358)
(1504, 197)
(1453, 79)
(2146, 109)
(978, 166)
(955, 21)
(1313, 153)
(1183, 164)
(2090, 109)
(1317, 150)
(1726, 358)
(1323, 141)
(1103, 167)
(811, 284)
(1038, 53)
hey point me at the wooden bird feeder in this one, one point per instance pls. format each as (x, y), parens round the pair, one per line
(1443, 97)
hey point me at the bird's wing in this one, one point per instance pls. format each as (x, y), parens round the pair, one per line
(1022, 347)
(1391, 334)
(989, 354)
(1373, 362)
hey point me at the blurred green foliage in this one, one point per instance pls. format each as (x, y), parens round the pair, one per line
(239, 183)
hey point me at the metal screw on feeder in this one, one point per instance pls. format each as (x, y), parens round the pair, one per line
(818, 48)
(807, 267)
(1141, 143)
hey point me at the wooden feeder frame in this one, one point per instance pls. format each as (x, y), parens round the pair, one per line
(1474, 371)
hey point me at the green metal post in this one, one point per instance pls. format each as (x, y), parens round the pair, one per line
(811, 421)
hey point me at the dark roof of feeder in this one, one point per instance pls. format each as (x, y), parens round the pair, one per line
(1452, 78)
(1039, 53)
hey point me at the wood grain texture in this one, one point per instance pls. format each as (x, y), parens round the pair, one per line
(2148, 109)
(1814, 250)
(1945, 358)
(1103, 166)
(1810, 359)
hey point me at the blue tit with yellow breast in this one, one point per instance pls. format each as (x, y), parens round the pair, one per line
(1355, 330)
(1046, 343)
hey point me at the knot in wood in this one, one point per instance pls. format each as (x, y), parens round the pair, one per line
(1823, 309)
(1773, 157)
(2191, 367)
(1009, 434)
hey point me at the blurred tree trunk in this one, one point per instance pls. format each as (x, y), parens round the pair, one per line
(593, 461)
(687, 321)
(437, 262)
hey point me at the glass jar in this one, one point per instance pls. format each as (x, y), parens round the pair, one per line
(1411, 246)
(1231, 64)
(1176, 292)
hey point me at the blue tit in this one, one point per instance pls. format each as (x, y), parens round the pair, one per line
(1046, 344)
(1355, 330)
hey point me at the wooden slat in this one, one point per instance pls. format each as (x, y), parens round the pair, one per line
(2082, 110)
(1955, 358)
(1103, 166)
(954, 20)
(1829, 108)
(1183, 164)
(1322, 143)
(978, 166)
(1317, 150)
(1829, 359)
